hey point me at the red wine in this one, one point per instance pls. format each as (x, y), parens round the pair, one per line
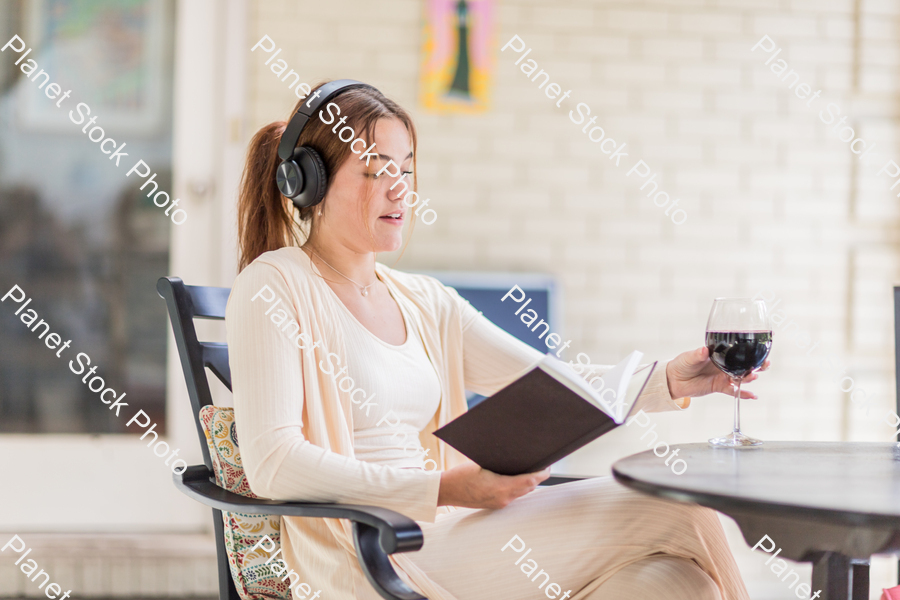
(737, 353)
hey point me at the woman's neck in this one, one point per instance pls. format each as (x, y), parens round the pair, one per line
(341, 260)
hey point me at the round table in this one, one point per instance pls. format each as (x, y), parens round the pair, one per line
(830, 503)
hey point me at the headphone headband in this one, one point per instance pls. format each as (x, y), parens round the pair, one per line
(292, 132)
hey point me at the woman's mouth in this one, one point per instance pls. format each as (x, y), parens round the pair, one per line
(394, 218)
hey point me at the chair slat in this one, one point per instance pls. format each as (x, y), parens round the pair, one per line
(215, 356)
(209, 302)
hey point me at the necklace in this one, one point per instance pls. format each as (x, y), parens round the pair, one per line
(364, 289)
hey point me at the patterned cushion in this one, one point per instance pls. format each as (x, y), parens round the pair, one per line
(253, 579)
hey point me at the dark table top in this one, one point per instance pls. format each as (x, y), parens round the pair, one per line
(825, 489)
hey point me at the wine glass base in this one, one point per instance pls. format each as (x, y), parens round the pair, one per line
(735, 439)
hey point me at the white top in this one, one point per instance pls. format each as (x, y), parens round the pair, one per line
(405, 386)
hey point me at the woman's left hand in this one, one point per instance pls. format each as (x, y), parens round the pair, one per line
(693, 374)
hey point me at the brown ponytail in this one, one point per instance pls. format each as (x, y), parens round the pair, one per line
(266, 219)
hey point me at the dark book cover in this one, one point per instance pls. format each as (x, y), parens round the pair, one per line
(529, 425)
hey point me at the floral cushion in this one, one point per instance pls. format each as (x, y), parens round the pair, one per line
(253, 579)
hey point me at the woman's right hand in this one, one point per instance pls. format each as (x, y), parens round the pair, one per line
(470, 486)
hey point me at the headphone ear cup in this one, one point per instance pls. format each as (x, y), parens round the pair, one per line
(289, 178)
(314, 176)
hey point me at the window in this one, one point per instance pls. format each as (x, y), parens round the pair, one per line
(76, 234)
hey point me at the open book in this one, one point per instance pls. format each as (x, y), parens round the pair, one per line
(545, 415)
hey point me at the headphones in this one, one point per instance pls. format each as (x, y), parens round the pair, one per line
(301, 176)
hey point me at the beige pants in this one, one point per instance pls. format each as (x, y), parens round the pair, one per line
(595, 537)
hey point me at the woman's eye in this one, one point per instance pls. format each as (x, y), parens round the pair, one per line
(376, 175)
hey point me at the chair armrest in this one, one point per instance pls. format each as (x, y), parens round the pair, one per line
(558, 479)
(397, 533)
(377, 531)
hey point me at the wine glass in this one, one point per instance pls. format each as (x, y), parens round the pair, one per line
(739, 337)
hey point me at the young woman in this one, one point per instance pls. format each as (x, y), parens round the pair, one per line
(344, 412)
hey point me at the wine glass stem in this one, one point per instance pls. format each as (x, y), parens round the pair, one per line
(737, 406)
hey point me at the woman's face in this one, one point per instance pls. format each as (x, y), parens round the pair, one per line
(360, 210)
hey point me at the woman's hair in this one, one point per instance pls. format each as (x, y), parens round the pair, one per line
(266, 219)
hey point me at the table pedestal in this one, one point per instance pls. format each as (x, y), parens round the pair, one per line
(840, 577)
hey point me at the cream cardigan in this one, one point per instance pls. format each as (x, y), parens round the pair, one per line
(296, 426)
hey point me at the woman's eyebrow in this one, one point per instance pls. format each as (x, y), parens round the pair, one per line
(385, 156)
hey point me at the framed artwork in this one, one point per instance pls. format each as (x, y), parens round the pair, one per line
(457, 56)
(110, 54)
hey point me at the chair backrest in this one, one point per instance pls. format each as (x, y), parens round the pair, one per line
(186, 303)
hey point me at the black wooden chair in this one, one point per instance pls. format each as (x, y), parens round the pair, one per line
(377, 532)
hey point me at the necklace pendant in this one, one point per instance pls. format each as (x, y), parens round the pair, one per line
(365, 291)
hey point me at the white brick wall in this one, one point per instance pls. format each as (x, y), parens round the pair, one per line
(775, 201)
(768, 189)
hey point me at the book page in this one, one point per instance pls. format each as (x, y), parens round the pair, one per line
(618, 379)
(612, 396)
(636, 387)
(567, 376)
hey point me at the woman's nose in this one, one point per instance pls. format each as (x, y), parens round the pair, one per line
(398, 188)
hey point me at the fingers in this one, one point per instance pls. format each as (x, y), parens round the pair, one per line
(529, 481)
(533, 479)
(542, 475)
(765, 366)
(731, 388)
(503, 489)
(698, 356)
